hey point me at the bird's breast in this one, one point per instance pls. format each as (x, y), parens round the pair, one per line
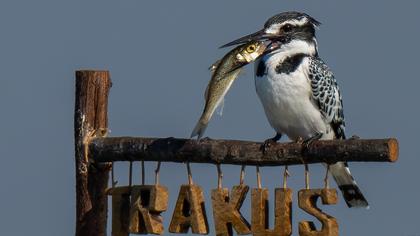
(286, 98)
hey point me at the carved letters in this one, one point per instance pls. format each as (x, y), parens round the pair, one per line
(137, 210)
(283, 211)
(147, 203)
(307, 202)
(226, 211)
(120, 210)
(189, 211)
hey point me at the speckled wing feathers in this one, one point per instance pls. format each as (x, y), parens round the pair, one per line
(326, 94)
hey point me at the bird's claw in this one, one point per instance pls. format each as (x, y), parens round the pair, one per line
(307, 142)
(354, 137)
(202, 140)
(299, 140)
(266, 145)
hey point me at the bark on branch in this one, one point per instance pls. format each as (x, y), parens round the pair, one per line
(90, 120)
(241, 152)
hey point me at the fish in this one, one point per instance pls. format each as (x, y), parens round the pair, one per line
(224, 73)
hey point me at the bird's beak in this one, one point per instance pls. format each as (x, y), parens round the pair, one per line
(273, 40)
(257, 36)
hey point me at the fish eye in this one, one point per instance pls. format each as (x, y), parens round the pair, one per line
(287, 28)
(250, 48)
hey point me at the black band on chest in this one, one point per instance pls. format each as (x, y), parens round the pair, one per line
(290, 64)
(261, 69)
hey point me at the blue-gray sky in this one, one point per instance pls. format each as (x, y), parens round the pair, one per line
(158, 53)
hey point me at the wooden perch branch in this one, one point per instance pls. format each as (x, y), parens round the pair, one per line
(241, 152)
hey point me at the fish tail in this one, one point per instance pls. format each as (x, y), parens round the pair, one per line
(199, 129)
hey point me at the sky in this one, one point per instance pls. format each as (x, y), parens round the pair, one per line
(158, 53)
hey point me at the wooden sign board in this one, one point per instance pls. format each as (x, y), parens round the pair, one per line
(120, 210)
(147, 203)
(307, 202)
(137, 210)
(226, 212)
(189, 211)
(282, 215)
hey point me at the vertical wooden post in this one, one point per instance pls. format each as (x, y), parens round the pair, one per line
(90, 120)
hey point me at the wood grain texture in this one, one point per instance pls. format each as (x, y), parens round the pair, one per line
(90, 121)
(189, 211)
(307, 202)
(282, 212)
(147, 204)
(120, 211)
(241, 152)
(226, 212)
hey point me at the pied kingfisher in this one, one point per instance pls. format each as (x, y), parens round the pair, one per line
(298, 91)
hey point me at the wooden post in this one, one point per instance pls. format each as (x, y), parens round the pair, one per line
(90, 120)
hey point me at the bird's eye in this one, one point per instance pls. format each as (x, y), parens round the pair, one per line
(287, 28)
(250, 49)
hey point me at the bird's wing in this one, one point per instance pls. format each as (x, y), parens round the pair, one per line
(326, 94)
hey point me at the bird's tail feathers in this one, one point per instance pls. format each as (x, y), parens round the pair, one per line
(199, 129)
(348, 186)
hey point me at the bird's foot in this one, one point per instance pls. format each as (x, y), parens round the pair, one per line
(309, 141)
(269, 142)
(202, 140)
(354, 137)
(206, 139)
(299, 140)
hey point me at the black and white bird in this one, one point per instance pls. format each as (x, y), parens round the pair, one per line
(298, 91)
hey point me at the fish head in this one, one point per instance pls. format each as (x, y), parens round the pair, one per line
(251, 51)
(256, 45)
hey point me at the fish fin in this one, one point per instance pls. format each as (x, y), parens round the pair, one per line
(214, 66)
(199, 130)
(212, 69)
(206, 92)
(220, 107)
(228, 73)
